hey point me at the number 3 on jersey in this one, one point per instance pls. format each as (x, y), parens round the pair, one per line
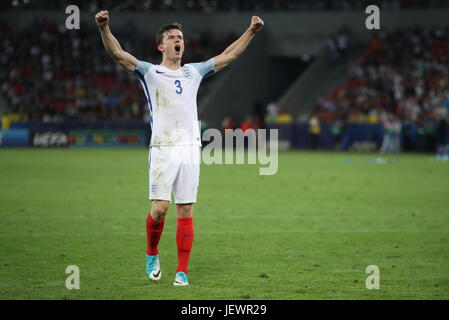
(178, 87)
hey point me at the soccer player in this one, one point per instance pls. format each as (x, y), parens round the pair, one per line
(171, 89)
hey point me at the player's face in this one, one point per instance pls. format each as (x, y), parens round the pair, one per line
(172, 44)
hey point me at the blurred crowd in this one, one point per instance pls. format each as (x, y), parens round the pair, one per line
(47, 76)
(229, 5)
(400, 80)
(401, 75)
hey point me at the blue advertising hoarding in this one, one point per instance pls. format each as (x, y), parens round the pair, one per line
(14, 138)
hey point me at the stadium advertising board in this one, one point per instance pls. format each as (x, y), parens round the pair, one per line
(14, 138)
(46, 139)
(106, 138)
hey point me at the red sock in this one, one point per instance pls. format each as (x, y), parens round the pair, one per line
(154, 232)
(184, 240)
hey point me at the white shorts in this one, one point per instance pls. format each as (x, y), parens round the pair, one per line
(174, 168)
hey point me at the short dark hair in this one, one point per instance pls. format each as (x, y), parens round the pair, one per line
(160, 33)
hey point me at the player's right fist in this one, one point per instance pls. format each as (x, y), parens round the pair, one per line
(102, 18)
(256, 24)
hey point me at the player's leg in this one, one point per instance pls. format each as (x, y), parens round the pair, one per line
(184, 241)
(154, 227)
(161, 182)
(185, 189)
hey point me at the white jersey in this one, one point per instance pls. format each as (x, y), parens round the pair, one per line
(171, 97)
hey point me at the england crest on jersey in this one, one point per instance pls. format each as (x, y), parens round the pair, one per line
(186, 72)
(153, 188)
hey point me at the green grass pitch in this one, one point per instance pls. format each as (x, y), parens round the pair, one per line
(308, 232)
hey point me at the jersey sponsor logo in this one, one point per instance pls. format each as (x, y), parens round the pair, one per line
(186, 72)
(157, 71)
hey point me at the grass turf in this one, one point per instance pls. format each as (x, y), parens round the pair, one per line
(308, 232)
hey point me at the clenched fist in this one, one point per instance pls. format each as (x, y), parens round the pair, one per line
(102, 18)
(256, 24)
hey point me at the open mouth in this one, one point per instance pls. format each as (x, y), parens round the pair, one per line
(177, 48)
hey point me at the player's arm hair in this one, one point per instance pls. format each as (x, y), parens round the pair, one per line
(233, 51)
(113, 48)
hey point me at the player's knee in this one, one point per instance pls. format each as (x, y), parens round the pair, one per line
(159, 213)
(159, 210)
(184, 210)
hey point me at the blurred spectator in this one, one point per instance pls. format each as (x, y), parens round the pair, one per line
(272, 113)
(392, 131)
(342, 44)
(314, 131)
(246, 124)
(337, 129)
(284, 116)
(227, 123)
(332, 48)
(337, 46)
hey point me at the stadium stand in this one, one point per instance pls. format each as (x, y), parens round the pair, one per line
(211, 6)
(47, 78)
(341, 77)
(401, 74)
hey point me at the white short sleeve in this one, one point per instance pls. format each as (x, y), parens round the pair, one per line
(205, 68)
(143, 67)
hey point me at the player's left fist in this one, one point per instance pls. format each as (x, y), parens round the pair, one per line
(256, 24)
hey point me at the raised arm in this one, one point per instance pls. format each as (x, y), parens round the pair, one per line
(239, 46)
(113, 48)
